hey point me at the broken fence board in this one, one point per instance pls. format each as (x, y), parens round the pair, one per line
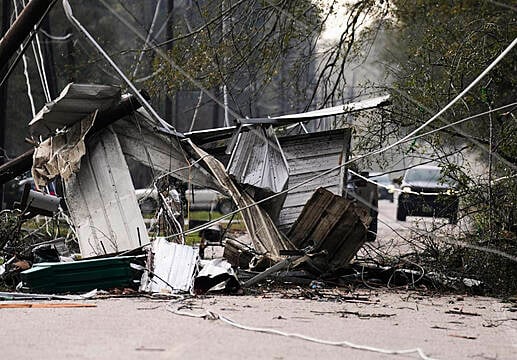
(332, 223)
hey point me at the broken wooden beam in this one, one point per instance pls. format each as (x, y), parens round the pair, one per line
(46, 305)
(237, 254)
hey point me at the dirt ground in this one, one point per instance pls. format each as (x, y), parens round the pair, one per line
(443, 327)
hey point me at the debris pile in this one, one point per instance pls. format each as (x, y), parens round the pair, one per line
(289, 196)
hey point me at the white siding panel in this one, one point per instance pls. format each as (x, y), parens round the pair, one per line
(102, 200)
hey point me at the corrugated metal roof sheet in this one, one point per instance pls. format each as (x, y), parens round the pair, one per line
(102, 200)
(331, 111)
(75, 102)
(257, 160)
(174, 263)
(80, 276)
(308, 155)
(139, 141)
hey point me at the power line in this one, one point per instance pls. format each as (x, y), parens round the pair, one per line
(163, 55)
(75, 22)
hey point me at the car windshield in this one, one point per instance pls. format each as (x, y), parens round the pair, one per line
(423, 174)
(381, 179)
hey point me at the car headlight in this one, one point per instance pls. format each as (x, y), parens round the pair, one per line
(450, 192)
(406, 189)
(391, 189)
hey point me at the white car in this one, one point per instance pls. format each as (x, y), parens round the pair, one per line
(198, 199)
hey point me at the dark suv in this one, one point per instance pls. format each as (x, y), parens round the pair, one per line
(426, 192)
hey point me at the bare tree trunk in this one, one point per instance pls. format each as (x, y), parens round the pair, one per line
(170, 34)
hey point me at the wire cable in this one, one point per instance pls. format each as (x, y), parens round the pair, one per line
(56, 37)
(26, 71)
(69, 14)
(149, 35)
(214, 316)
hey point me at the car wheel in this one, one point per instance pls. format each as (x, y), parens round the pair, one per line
(225, 206)
(392, 198)
(401, 213)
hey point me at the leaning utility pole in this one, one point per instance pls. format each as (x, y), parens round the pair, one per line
(21, 28)
(12, 38)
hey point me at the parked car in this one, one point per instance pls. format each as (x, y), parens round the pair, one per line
(199, 200)
(427, 192)
(208, 199)
(385, 189)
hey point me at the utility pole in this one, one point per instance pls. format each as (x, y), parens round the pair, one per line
(21, 28)
(6, 12)
(12, 37)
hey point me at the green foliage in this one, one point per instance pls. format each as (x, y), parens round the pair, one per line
(10, 225)
(441, 48)
(437, 50)
(246, 47)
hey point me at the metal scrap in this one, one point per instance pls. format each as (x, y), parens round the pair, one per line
(266, 237)
(102, 200)
(173, 267)
(75, 102)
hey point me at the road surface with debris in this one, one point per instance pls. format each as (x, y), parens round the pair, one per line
(443, 327)
(373, 322)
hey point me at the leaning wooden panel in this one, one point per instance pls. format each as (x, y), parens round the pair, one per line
(332, 223)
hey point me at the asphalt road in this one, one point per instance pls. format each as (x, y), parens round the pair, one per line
(398, 237)
(443, 327)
